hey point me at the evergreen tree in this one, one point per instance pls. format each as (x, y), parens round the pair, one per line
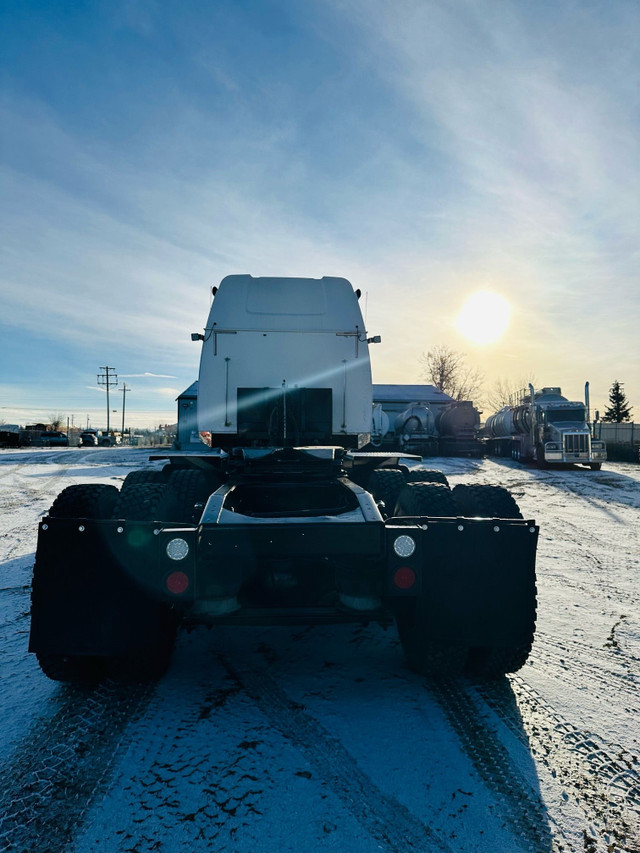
(619, 410)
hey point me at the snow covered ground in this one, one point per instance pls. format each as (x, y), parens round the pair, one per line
(320, 739)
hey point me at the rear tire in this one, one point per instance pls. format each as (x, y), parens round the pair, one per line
(82, 501)
(425, 475)
(485, 502)
(144, 502)
(144, 477)
(85, 501)
(188, 492)
(148, 661)
(385, 484)
(431, 499)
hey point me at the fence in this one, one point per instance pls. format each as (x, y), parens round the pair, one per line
(622, 440)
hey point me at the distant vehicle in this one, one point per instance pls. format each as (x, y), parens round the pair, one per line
(9, 435)
(93, 438)
(54, 439)
(546, 428)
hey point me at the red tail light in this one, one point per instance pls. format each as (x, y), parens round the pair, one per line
(404, 578)
(177, 583)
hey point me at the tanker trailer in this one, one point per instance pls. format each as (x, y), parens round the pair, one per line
(547, 428)
(415, 430)
(457, 426)
(380, 426)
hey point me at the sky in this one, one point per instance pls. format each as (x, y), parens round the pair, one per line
(425, 150)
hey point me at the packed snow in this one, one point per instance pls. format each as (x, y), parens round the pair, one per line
(320, 738)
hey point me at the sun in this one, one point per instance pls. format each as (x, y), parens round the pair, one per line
(484, 317)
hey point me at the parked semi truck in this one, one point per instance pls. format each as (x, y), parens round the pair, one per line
(284, 519)
(546, 427)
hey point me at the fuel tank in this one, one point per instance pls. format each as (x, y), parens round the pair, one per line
(510, 420)
(416, 418)
(457, 418)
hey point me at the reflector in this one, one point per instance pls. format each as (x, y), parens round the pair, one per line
(404, 578)
(177, 583)
(404, 546)
(177, 549)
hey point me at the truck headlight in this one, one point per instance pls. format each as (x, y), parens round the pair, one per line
(177, 549)
(404, 546)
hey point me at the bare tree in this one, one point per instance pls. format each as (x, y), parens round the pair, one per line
(448, 370)
(56, 420)
(506, 392)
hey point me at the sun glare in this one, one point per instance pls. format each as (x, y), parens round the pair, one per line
(484, 317)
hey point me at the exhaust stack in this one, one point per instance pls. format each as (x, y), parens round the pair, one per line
(532, 394)
(586, 402)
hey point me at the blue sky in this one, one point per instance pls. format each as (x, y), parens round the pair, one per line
(424, 150)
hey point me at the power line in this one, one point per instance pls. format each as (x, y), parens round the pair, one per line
(109, 379)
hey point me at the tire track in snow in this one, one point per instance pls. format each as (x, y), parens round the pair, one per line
(27, 491)
(603, 779)
(583, 535)
(522, 809)
(11, 467)
(622, 597)
(384, 818)
(55, 772)
(580, 672)
(612, 490)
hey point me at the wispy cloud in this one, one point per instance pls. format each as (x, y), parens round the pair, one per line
(146, 376)
(532, 120)
(421, 149)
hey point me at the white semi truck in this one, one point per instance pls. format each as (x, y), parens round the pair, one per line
(283, 520)
(545, 427)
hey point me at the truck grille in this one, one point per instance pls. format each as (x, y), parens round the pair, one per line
(578, 443)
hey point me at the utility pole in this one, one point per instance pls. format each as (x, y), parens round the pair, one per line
(109, 379)
(124, 396)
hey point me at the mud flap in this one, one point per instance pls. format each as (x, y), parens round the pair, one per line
(478, 581)
(84, 600)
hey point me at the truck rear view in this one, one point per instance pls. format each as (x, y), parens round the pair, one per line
(284, 519)
(285, 362)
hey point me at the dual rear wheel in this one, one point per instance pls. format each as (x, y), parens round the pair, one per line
(144, 497)
(385, 484)
(424, 653)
